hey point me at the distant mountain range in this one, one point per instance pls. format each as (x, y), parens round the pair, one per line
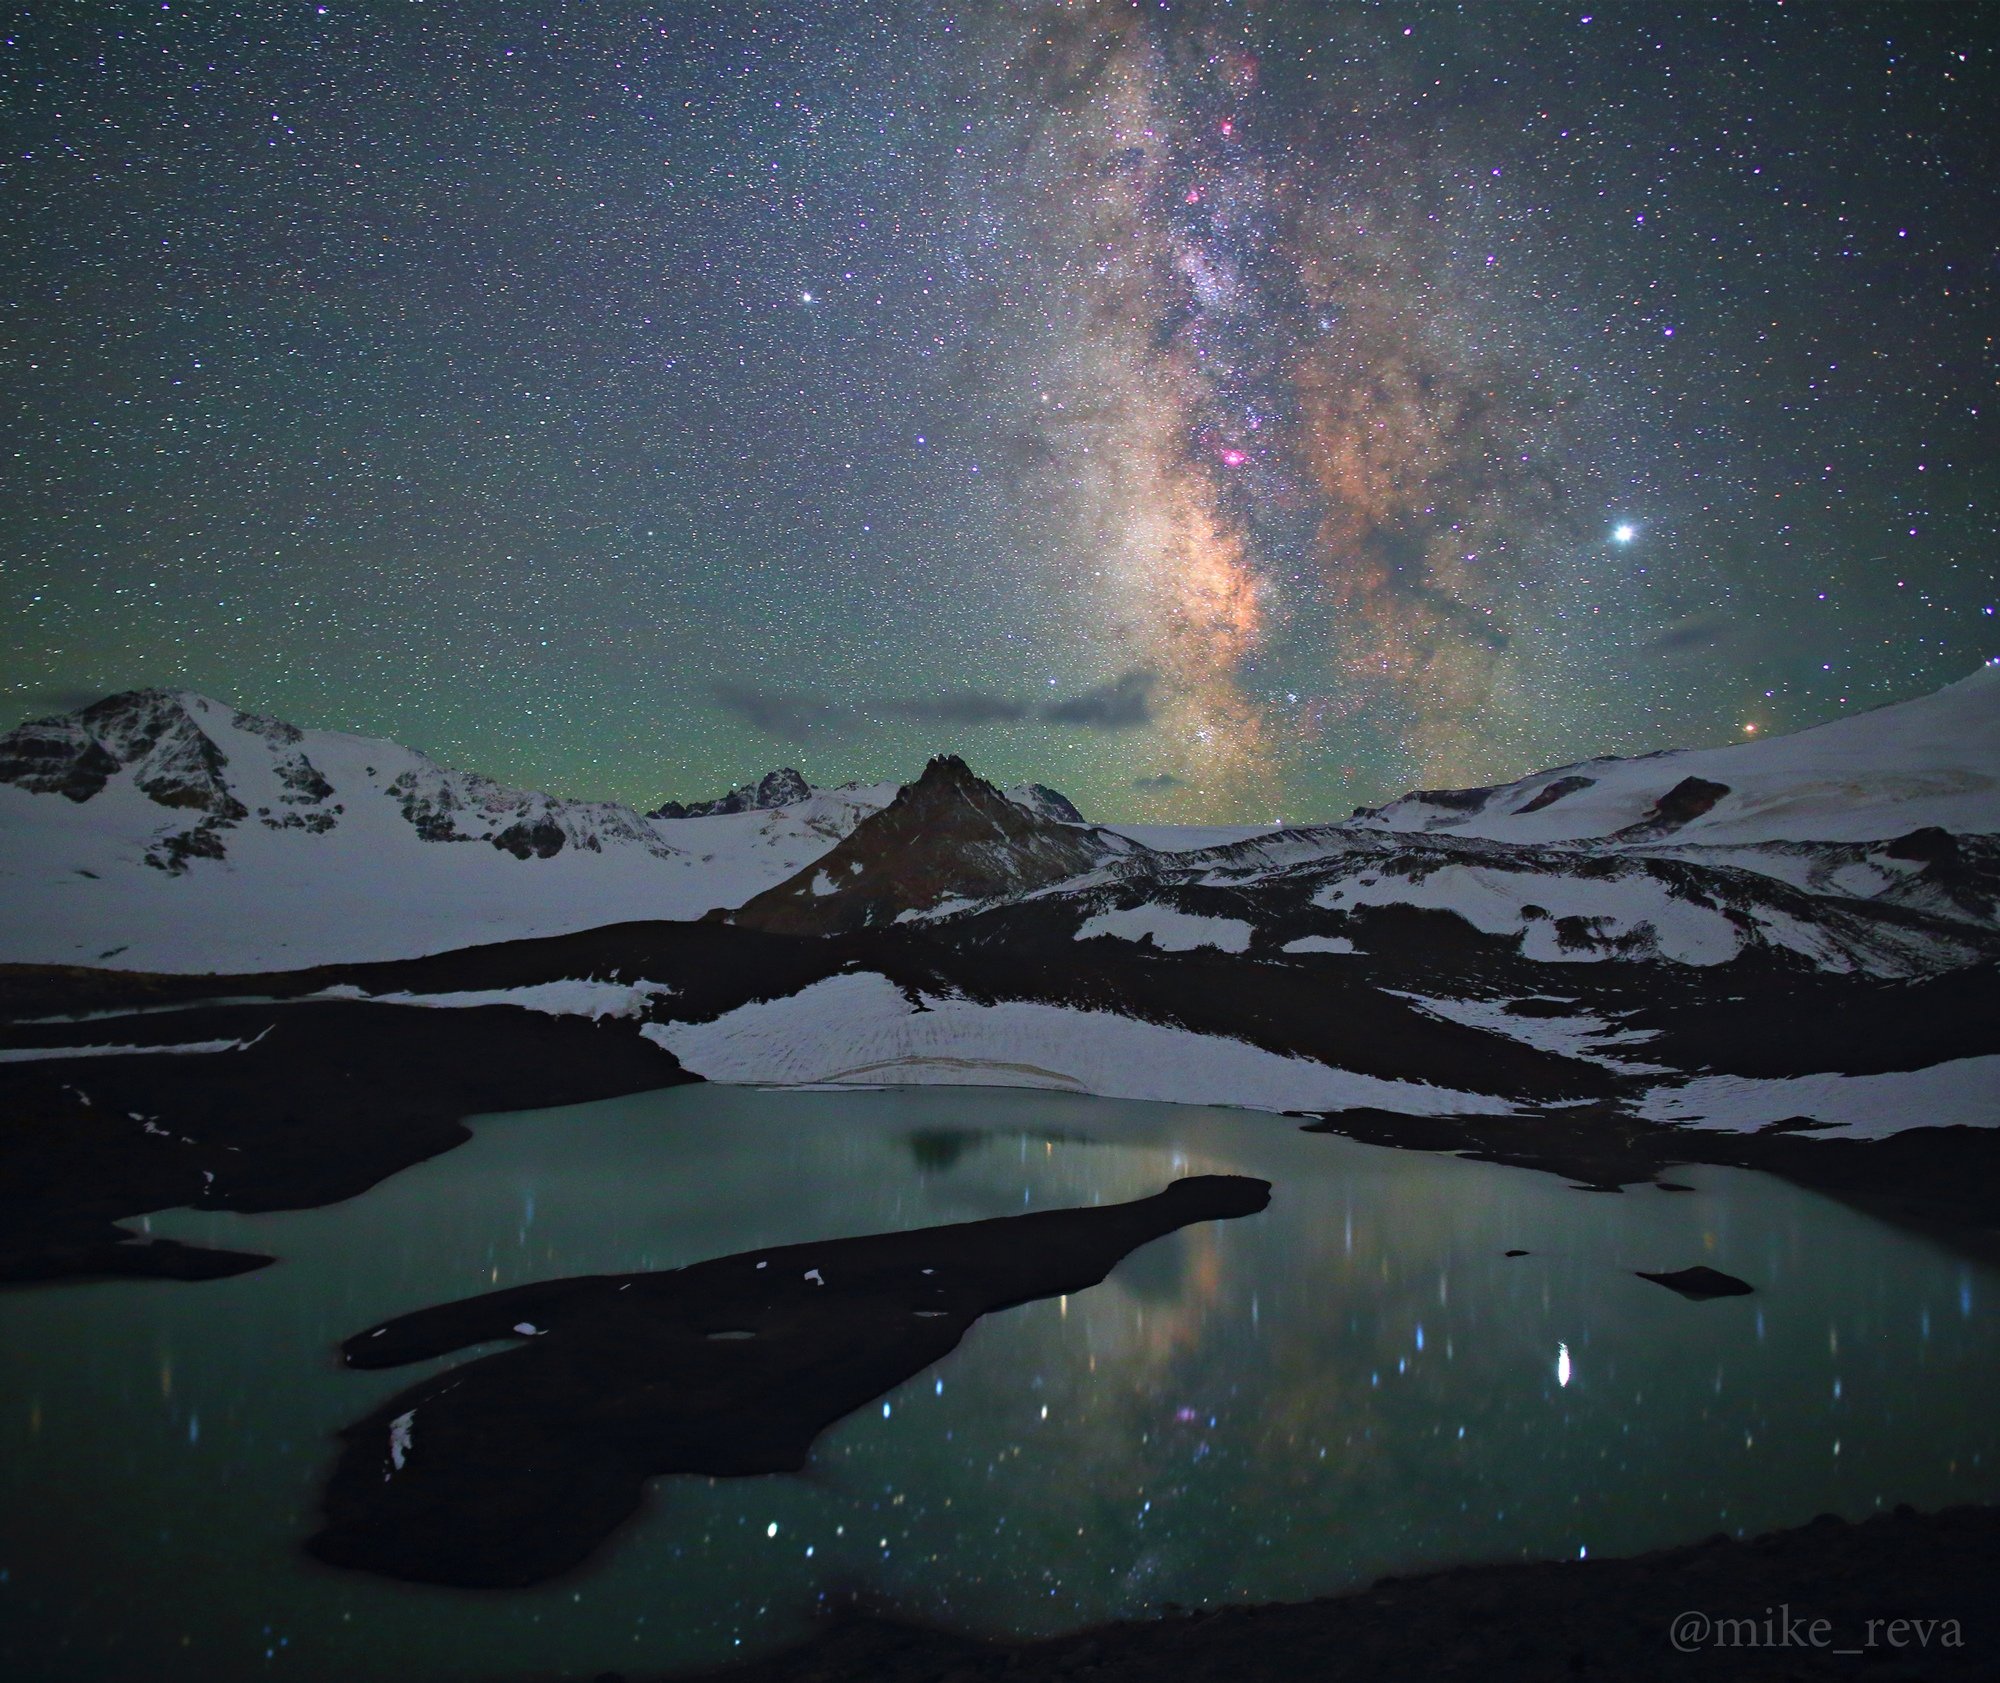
(167, 830)
(1765, 954)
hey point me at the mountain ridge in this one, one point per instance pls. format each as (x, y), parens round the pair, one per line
(169, 830)
(949, 836)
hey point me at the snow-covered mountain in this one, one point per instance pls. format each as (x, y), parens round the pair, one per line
(783, 787)
(1725, 956)
(163, 830)
(1933, 762)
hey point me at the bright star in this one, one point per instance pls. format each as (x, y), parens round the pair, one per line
(805, 297)
(1624, 534)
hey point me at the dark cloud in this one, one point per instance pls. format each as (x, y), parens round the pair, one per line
(1697, 631)
(786, 713)
(1123, 704)
(1165, 780)
(961, 707)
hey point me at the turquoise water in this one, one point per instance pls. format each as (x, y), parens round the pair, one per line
(1356, 1381)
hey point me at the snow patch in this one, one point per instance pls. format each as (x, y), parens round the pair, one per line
(1965, 1091)
(1496, 901)
(859, 1028)
(1320, 944)
(572, 998)
(400, 1432)
(1580, 1036)
(1172, 930)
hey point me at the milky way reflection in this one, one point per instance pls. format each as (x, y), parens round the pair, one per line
(1356, 1381)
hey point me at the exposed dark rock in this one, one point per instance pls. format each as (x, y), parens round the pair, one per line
(55, 757)
(1681, 805)
(949, 835)
(430, 811)
(1700, 1282)
(173, 762)
(1930, 846)
(171, 853)
(541, 839)
(1936, 1180)
(114, 1253)
(515, 1467)
(323, 1100)
(1517, 1253)
(1550, 793)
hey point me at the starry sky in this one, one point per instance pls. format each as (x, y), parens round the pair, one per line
(1217, 411)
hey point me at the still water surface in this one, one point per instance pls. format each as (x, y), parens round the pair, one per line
(1356, 1381)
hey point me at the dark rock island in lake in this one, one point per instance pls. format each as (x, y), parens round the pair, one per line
(1699, 1282)
(515, 1467)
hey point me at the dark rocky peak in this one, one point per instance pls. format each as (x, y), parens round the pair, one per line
(1928, 846)
(175, 762)
(783, 787)
(949, 836)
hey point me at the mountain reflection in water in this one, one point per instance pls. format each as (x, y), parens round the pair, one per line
(1357, 1381)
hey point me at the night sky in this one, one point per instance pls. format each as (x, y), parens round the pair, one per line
(1216, 411)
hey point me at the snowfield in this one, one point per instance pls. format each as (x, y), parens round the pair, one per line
(1169, 929)
(862, 1029)
(1934, 760)
(570, 998)
(361, 882)
(1965, 1091)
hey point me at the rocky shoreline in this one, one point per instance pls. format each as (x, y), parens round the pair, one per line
(1901, 1596)
(339, 1075)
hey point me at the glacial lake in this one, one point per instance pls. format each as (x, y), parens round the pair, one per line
(1355, 1382)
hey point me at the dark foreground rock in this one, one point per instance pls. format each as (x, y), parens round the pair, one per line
(1907, 1595)
(1937, 1181)
(1700, 1283)
(515, 1467)
(318, 1102)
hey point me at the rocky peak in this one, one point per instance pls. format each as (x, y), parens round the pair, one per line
(1045, 802)
(783, 787)
(948, 836)
(174, 761)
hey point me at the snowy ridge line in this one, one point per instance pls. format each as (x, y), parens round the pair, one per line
(43, 1054)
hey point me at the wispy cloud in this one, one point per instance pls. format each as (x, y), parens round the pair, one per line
(1697, 631)
(794, 715)
(1123, 704)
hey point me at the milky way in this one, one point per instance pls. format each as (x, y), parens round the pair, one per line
(1218, 411)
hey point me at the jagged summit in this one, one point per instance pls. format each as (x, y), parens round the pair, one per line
(214, 767)
(781, 788)
(949, 837)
